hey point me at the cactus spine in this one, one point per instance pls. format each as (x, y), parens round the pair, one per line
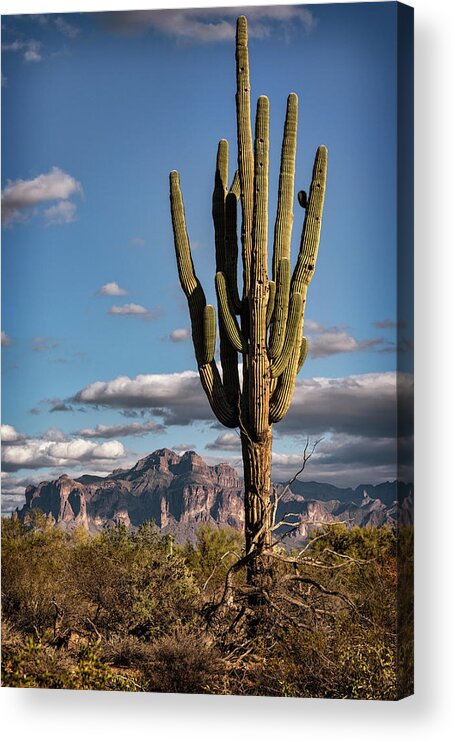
(268, 333)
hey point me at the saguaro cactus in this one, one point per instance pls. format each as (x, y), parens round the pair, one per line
(264, 324)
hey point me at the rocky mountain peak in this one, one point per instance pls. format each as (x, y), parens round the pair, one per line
(160, 460)
(181, 492)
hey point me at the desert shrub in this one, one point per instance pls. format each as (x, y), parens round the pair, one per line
(131, 582)
(34, 665)
(215, 550)
(184, 662)
(126, 651)
(37, 665)
(33, 573)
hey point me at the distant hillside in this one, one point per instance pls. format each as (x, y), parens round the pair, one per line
(181, 492)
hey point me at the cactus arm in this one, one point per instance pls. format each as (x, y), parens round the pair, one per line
(303, 353)
(225, 258)
(284, 215)
(227, 314)
(199, 314)
(245, 145)
(293, 329)
(284, 389)
(271, 301)
(303, 273)
(209, 333)
(259, 389)
(218, 202)
(280, 313)
(215, 390)
(232, 250)
(311, 232)
(235, 185)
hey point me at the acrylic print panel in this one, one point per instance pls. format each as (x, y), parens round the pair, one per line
(207, 351)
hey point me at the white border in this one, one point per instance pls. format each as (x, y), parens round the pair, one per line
(52, 715)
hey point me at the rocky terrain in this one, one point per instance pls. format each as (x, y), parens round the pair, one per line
(181, 492)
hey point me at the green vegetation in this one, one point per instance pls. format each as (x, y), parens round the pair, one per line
(133, 611)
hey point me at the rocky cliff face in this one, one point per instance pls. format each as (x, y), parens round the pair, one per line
(170, 489)
(181, 492)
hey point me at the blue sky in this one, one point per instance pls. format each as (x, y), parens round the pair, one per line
(97, 109)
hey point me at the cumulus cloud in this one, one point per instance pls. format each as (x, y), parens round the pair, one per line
(6, 340)
(29, 48)
(328, 341)
(363, 405)
(54, 449)
(177, 397)
(66, 28)
(19, 196)
(112, 289)
(119, 431)
(225, 442)
(179, 334)
(138, 241)
(62, 213)
(182, 447)
(203, 25)
(9, 434)
(134, 310)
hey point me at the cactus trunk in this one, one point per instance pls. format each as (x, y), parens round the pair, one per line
(263, 323)
(257, 459)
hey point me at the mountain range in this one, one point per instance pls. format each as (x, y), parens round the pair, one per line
(181, 492)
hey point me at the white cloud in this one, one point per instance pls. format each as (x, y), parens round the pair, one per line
(363, 405)
(62, 213)
(54, 449)
(66, 28)
(32, 56)
(9, 434)
(134, 310)
(328, 341)
(138, 241)
(179, 334)
(183, 447)
(225, 442)
(119, 431)
(6, 340)
(178, 396)
(29, 47)
(112, 289)
(212, 24)
(19, 195)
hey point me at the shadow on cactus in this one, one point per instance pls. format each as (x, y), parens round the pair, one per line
(264, 322)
